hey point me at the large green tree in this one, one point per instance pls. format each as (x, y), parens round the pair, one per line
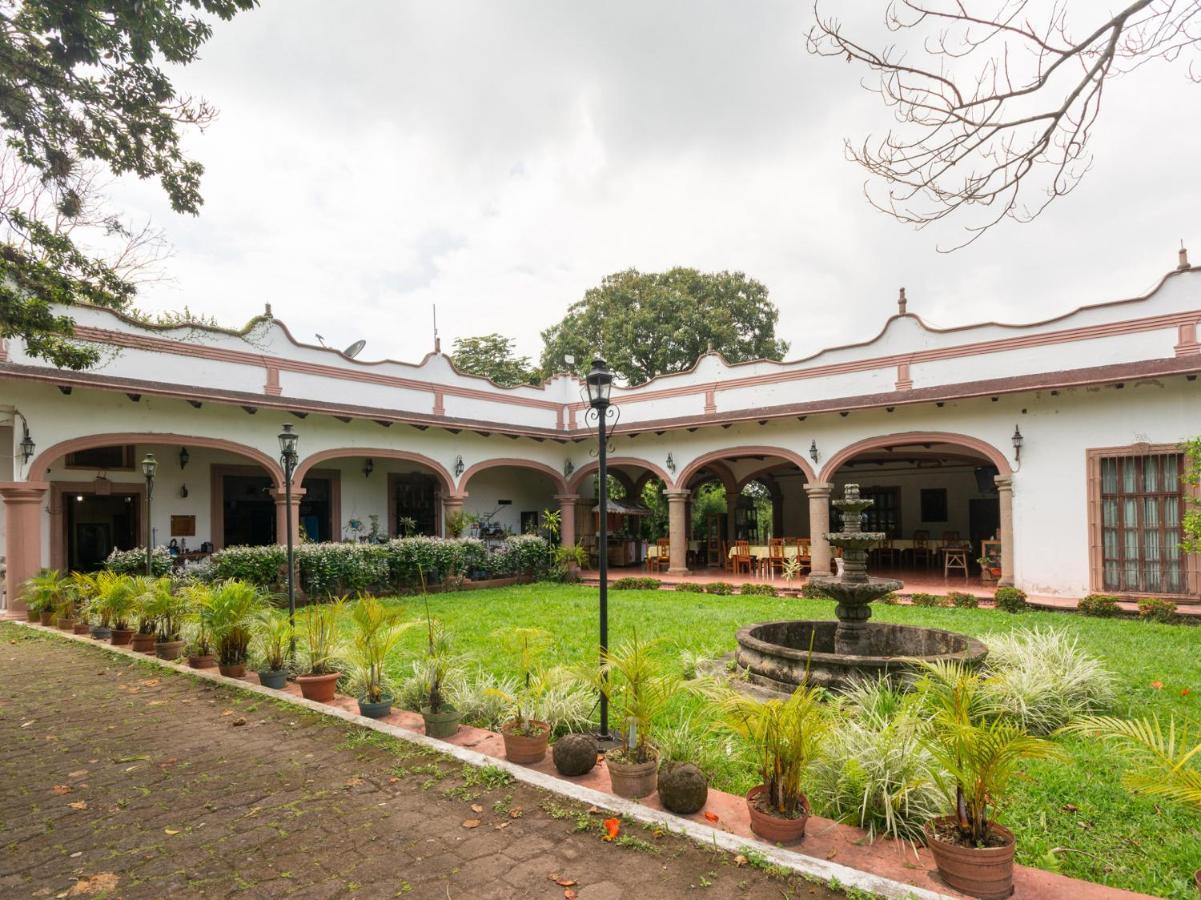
(81, 85)
(652, 323)
(491, 355)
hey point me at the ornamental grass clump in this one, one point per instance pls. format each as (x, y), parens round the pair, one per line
(638, 689)
(45, 591)
(227, 612)
(274, 635)
(115, 600)
(378, 630)
(521, 705)
(320, 632)
(165, 608)
(1041, 679)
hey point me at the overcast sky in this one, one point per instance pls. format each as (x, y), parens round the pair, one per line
(497, 159)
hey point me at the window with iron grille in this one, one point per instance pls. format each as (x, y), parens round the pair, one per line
(1142, 504)
(884, 515)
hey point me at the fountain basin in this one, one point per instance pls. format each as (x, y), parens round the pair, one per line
(776, 654)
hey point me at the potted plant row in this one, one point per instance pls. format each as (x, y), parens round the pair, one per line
(525, 736)
(377, 631)
(320, 679)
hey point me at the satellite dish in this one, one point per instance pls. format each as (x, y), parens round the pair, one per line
(354, 349)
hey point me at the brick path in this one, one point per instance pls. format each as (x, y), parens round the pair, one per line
(121, 780)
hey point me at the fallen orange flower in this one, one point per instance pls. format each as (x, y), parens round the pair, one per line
(1158, 685)
(712, 817)
(612, 829)
(1185, 692)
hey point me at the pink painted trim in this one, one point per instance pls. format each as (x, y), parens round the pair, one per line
(475, 469)
(272, 386)
(439, 403)
(237, 357)
(716, 455)
(710, 401)
(904, 380)
(571, 419)
(378, 453)
(559, 415)
(995, 456)
(1187, 344)
(585, 471)
(47, 457)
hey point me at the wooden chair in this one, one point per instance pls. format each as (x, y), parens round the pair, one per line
(954, 558)
(922, 549)
(805, 554)
(951, 539)
(727, 557)
(663, 559)
(775, 556)
(888, 553)
(742, 558)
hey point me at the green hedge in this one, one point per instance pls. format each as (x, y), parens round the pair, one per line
(133, 562)
(637, 583)
(398, 565)
(762, 590)
(1102, 606)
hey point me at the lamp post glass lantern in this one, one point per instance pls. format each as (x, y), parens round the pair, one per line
(288, 458)
(600, 384)
(149, 469)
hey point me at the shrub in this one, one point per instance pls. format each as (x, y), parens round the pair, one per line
(1010, 599)
(257, 565)
(926, 600)
(636, 583)
(133, 562)
(691, 587)
(1153, 609)
(333, 569)
(872, 771)
(892, 598)
(1043, 680)
(963, 600)
(719, 587)
(761, 590)
(1102, 606)
(811, 591)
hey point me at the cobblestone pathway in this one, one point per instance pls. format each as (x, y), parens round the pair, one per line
(121, 780)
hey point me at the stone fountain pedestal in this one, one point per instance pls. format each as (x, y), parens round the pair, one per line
(783, 655)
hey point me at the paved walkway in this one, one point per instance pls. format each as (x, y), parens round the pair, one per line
(123, 780)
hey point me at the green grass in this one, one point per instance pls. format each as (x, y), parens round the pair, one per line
(1073, 816)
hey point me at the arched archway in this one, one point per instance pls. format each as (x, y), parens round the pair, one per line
(511, 462)
(436, 467)
(944, 499)
(509, 495)
(734, 453)
(619, 462)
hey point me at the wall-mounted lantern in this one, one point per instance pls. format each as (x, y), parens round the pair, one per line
(459, 467)
(184, 456)
(568, 468)
(368, 467)
(1018, 440)
(671, 463)
(813, 454)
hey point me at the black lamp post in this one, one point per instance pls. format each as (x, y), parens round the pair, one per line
(287, 459)
(600, 383)
(149, 468)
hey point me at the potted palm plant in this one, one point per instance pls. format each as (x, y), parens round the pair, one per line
(637, 688)
(377, 631)
(229, 616)
(785, 735)
(43, 594)
(980, 751)
(320, 681)
(525, 736)
(274, 636)
(83, 589)
(168, 609)
(115, 601)
(440, 716)
(199, 644)
(146, 632)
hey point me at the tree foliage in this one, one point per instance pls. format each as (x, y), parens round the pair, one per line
(80, 83)
(652, 323)
(491, 355)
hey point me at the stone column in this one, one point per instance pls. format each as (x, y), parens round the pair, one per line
(677, 531)
(450, 506)
(281, 521)
(23, 535)
(567, 504)
(1005, 495)
(819, 524)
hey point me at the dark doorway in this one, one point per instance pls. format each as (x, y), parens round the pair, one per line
(415, 499)
(984, 521)
(248, 514)
(96, 525)
(316, 510)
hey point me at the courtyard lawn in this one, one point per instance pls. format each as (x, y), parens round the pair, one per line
(1073, 816)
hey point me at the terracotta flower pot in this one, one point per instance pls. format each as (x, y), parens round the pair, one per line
(46, 618)
(441, 724)
(319, 687)
(121, 636)
(66, 624)
(772, 828)
(525, 749)
(985, 872)
(233, 670)
(633, 780)
(82, 627)
(204, 661)
(32, 615)
(143, 643)
(168, 649)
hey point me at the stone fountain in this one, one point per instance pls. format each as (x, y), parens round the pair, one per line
(782, 655)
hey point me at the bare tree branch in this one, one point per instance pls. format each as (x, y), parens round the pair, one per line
(997, 118)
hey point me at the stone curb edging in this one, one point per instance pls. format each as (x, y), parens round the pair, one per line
(798, 862)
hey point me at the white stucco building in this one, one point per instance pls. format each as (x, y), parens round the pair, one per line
(923, 418)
